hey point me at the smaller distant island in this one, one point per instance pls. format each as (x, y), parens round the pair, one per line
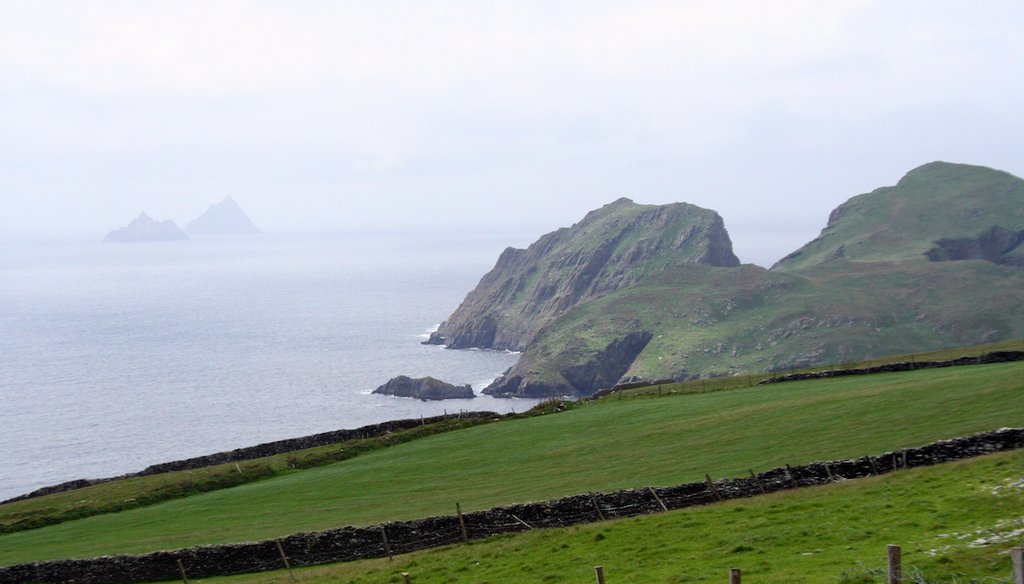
(424, 388)
(223, 218)
(145, 228)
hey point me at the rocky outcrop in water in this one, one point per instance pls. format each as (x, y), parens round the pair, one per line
(424, 388)
(145, 228)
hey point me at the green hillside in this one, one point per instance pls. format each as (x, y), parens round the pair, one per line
(930, 263)
(609, 444)
(836, 533)
(935, 201)
(708, 321)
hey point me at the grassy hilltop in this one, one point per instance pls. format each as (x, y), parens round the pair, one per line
(646, 292)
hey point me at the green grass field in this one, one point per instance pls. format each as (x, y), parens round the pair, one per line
(605, 445)
(141, 491)
(836, 533)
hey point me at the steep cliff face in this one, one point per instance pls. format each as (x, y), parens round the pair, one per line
(614, 247)
(601, 369)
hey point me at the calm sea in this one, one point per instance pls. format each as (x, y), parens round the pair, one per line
(117, 356)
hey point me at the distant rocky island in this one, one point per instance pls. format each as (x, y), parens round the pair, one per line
(654, 292)
(424, 388)
(223, 218)
(145, 228)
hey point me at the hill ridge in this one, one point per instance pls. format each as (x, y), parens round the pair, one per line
(885, 276)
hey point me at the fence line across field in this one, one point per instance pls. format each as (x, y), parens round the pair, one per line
(353, 543)
(894, 568)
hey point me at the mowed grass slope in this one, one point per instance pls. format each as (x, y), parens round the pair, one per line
(605, 445)
(954, 523)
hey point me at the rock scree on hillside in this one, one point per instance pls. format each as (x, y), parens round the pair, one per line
(424, 388)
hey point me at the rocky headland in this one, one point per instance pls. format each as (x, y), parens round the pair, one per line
(644, 292)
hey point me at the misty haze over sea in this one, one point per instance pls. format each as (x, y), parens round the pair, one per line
(117, 356)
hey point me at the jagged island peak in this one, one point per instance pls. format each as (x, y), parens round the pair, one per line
(145, 228)
(223, 218)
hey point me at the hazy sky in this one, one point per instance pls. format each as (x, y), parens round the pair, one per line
(377, 114)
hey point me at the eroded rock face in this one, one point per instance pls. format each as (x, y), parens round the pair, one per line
(424, 388)
(996, 244)
(614, 247)
(601, 370)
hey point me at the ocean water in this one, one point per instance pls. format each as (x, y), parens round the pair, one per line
(117, 356)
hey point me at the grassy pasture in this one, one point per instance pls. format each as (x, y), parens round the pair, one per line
(835, 533)
(141, 491)
(598, 446)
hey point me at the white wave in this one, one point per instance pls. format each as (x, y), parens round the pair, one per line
(426, 334)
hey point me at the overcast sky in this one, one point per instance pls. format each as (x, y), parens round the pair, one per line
(341, 115)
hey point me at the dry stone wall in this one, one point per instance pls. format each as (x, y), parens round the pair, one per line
(352, 543)
(987, 358)
(261, 450)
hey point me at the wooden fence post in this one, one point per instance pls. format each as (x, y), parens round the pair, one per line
(593, 499)
(734, 576)
(181, 568)
(757, 478)
(895, 572)
(792, 479)
(599, 571)
(406, 579)
(462, 523)
(387, 544)
(711, 485)
(1017, 554)
(284, 559)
